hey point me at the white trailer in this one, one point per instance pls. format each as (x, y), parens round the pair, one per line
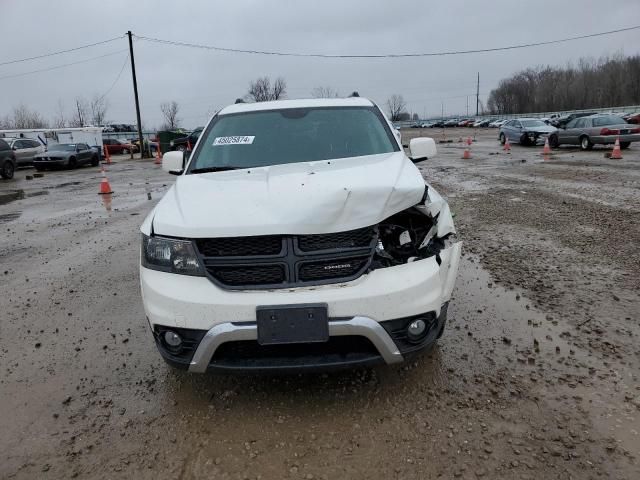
(92, 136)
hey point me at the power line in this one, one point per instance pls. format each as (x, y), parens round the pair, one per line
(117, 78)
(59, 52)
(55, 67)
(389, 55)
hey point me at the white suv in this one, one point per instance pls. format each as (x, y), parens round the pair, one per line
(298, 235)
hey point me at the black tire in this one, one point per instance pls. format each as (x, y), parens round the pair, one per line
(502, 138)
(95, 161)
(553, 141)
(38, 168)
(624, 145)
(585, 143)
(72, 163)
(8, 169)
(125, 151)
(524, 140)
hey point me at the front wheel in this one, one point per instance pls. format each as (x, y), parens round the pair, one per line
(125, 151)
(624, 145)
(585, 143)
(72, 163)
(7, 170)
(95, 161)
(524, 139)
(502, 138)
(553, 141)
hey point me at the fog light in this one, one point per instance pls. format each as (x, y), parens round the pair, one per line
(416, 329)
(172, 339)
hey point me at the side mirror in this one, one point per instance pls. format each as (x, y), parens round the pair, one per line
(422, 148)
(14, 148)
(173, 162)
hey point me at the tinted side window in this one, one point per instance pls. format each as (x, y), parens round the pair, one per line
(580, 123)
(35, 143)
(4, 145)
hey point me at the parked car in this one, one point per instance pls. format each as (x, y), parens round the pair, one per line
(595, 129)
(633, 118)
(68, 155)
(526, 131)
(497, 123)
(560, 122)
(183, 143)
(438, 124)
(118, 147)
(451, 123)
(7, 160)
(25, 149)
(281, 196)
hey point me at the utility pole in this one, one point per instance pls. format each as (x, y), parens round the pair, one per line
(478, 96)
(135, 94)
(468, 106)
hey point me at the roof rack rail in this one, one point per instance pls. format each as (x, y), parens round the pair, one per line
(354, 94)
(239, 100)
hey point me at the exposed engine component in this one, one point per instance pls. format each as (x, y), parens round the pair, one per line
(405, 237)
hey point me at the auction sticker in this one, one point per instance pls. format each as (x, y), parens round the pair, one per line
(237, 140)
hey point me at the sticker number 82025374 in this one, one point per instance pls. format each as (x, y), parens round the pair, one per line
(235, 140)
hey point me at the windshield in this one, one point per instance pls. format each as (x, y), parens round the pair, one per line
(608, 120)
(533, 123)
(257, 139)
(62, 147)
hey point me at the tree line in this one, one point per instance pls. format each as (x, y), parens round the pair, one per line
(605, 82)
(94, 112)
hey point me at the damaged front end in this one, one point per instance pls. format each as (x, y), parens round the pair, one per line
(419, 232)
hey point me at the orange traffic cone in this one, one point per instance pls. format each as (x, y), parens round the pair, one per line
(507, 145)
(467, 154)
(105, 188)
(547, 149)
(158, 160)
(469, 141)
(617, 153)
(106, 154)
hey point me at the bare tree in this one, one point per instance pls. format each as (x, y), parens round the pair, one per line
(170, 113)
(260, 90)
(79, 117)
(99, 108)
(396, 106)
(60, 119)
(325, 92)
(25, 118)
(415, 117)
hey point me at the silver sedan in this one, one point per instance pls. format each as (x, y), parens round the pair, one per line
(596, 129)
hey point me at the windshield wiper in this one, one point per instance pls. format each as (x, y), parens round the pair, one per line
(214, 169)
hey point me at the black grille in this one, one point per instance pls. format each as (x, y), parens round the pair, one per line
(341, 240)
(339, 350)
(331, 269)
(249, 275)
(272, 261)
(240, 246)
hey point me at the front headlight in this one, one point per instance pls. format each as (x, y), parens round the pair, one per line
(169, 255)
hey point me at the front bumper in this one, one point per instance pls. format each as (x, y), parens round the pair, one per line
(355, 342)
(369, 307)
(50, 163)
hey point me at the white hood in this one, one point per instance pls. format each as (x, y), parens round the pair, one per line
(297, 198)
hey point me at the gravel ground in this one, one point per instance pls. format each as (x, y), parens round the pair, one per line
(535, 377)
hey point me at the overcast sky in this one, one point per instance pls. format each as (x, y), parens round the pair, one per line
(203, 81)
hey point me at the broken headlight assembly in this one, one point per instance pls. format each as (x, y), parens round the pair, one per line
(408, 236)
(170, 255)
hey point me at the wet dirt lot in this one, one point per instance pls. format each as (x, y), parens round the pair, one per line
(535, 377)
